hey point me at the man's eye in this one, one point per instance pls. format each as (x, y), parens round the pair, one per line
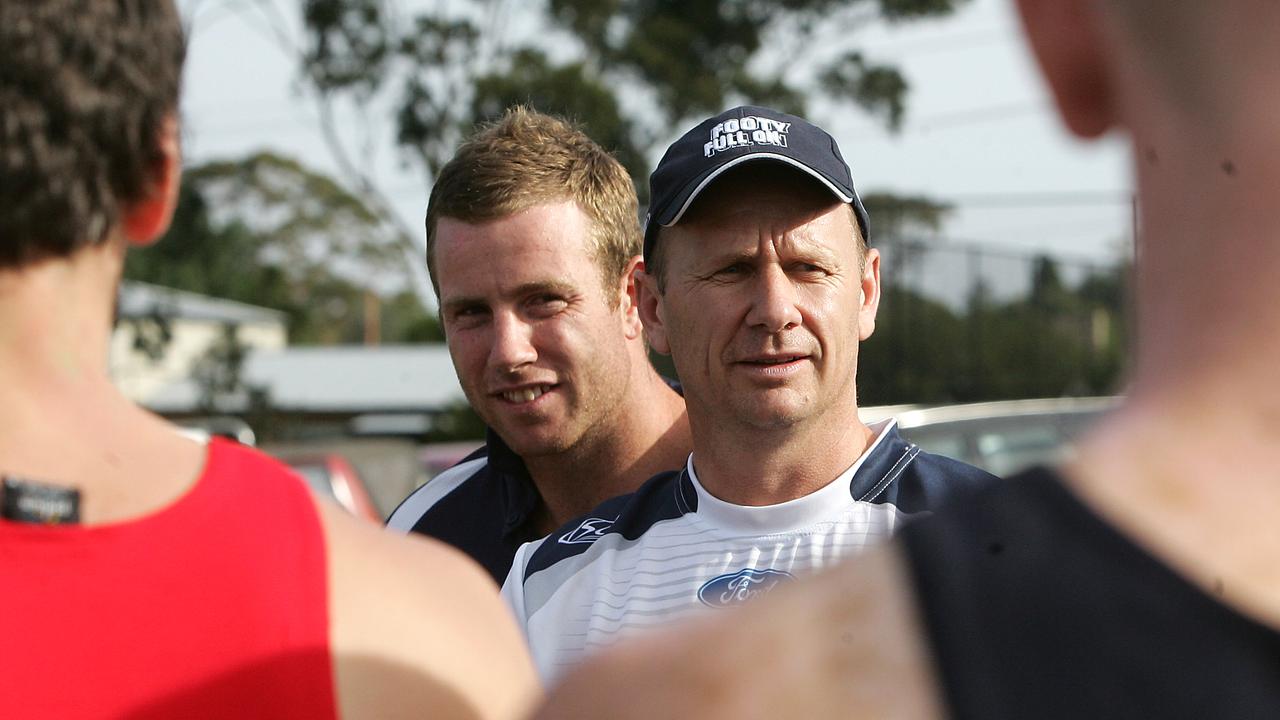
(734, 269)
(468, 315)
(546, 304)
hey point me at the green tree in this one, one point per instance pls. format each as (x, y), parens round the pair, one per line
(896, 217)
(632, 72)
(267, 231)
(1105, 297)
(637, 71)
(1056, 340)
(404, 319)
(313, 224)
(199, 255)
(914, 355)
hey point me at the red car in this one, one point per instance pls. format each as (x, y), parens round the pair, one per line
(330, 475)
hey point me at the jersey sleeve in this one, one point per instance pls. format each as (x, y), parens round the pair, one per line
(411, 510)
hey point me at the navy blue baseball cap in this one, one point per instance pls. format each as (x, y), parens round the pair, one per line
(741, 135)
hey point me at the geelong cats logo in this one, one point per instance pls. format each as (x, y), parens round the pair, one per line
(745, 584)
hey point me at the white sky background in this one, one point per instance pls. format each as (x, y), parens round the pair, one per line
(980, 130)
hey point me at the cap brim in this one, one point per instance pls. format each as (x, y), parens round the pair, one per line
(683, 206)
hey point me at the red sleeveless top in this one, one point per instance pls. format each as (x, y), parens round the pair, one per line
(213, 607)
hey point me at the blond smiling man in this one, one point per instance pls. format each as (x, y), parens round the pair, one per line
(532, 236)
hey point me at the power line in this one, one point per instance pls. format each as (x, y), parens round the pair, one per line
(922, 46)
(975, 116)
(1067, 198)
(1043, 230)
(998, 251)
(259, 127)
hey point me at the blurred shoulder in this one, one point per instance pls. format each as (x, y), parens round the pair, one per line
(843, 642)
(420, 622)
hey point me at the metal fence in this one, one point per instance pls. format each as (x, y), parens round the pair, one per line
(963, 322)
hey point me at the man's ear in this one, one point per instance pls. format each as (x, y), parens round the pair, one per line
(147, 219)
(1067, 39)
(629, 299)
(649, 303)
(870, 289)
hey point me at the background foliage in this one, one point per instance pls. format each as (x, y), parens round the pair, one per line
(270, 231)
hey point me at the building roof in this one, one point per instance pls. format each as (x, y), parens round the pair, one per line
(139, 300)
(357, 379)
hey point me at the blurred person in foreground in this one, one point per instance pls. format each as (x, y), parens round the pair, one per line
(532, 236)
(759, 283)
(146, 574)
(1143, 578)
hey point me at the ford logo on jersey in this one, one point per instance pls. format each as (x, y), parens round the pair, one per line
(591, 530)
(745, 584)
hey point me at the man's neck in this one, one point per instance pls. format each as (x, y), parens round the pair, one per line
(1189, 466)
(1196, 484)
(650, 435)
(62, 419)
(55, 320)
(769, 466)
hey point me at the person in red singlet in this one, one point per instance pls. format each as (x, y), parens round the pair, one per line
(144, 574)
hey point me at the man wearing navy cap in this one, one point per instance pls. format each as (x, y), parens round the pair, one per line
(759, 284)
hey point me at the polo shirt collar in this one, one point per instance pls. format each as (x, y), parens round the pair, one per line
(519, 498)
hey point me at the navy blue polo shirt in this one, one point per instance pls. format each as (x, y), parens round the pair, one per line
(486, 506)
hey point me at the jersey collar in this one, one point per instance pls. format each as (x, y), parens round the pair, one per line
(801, 512)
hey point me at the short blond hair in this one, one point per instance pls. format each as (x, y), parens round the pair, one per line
(526, 159)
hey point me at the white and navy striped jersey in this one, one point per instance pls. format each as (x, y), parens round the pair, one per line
(486, 506)
(672, 549)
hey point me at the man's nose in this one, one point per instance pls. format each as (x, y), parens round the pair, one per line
(512, 343)
(773, 303)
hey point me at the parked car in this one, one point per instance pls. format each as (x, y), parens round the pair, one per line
(1002, 437)
(1007, 436)
(331, 476)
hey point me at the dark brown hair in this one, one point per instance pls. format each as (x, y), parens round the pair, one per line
(85, 88)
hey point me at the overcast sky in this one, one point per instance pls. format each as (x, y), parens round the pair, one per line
(980, 133)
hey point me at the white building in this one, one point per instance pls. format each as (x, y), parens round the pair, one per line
(333, 390)
(195, 323)
(342, 390)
